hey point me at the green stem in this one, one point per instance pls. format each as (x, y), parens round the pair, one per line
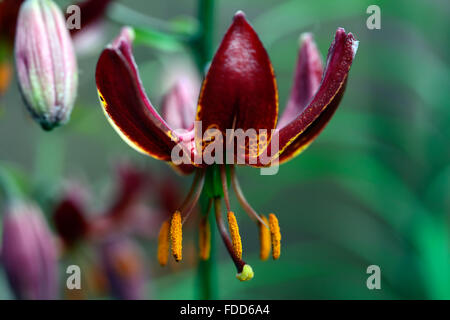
(8, 185)
(207, 270)
(203, 43)
(202, 49)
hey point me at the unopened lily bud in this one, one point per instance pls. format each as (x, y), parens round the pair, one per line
(29, 253)
(46, 63)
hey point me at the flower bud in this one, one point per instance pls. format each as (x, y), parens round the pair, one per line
(69, 216)
(180, 101)
(124, 267)
(46, 64)
(29, 253)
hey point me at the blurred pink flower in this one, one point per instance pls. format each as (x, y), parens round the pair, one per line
(29, 253)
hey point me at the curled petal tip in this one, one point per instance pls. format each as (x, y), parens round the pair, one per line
(304, 37)
(340, 30)
(127, 35)
(239, 15)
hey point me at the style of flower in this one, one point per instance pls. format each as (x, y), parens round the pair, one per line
(239, 92)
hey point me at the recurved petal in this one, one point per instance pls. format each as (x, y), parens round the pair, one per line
(308, 74)
(299, 133)
(239, 90)
(125, 103)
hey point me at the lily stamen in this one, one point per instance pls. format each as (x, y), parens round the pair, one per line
(204, 240)
(176, 236)
(194, 195)
(275, 235)
(264, 239)
(223, 178)
(243, 201)
(234, 232)
(244, 270)
(233, 226)
(163, 243)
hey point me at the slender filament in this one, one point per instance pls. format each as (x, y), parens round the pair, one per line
(195, 192)
(242, 201)
(204, 240)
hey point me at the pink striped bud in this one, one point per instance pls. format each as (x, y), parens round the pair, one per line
(46, 63)
(29, 253)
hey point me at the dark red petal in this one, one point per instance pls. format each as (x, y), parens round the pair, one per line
(308, 75)
(240, 89)
(70, 218)
(299, 133)
(131, 182)
(126, 104)
(9, 11)
(91, 13)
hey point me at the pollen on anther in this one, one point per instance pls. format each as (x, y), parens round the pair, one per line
(204, 240)
(275, 235)
(163, 243)
(234, 232)
(176, 236)
(265, 239)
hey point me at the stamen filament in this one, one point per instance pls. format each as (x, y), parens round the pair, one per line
(242, 201)
(188, 198)
(188, 207)
(163, 243)
(205, 235)
(238, 262)
(223, 178)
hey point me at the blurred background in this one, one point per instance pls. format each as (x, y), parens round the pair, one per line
(373, 189)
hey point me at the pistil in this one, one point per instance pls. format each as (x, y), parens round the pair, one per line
(245, 271)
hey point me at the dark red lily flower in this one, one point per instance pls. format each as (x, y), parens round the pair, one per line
(69, 217)
(74, 222)
(238, 92)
